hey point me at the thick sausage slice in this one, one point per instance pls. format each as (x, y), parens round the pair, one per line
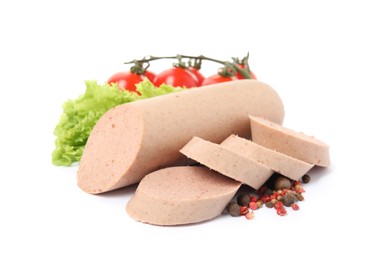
(279, 162)
(181, 195)
(226, 162)
(284, 140)
(134, 139)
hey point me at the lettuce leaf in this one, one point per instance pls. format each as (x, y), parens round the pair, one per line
(80, 115)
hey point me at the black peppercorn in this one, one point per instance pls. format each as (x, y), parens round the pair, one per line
(281, 183)
(233, 209)
(306, 178)
(243, 199)
(288, 199)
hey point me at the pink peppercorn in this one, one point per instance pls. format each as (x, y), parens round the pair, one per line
(253, 205)
(244, 210)
(295, 206)
(249, 215)
(265, 199)
(281, 212)
(278, 205)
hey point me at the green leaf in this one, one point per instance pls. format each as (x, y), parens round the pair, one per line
(80, 115)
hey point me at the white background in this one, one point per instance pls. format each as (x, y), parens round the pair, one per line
(328, 60)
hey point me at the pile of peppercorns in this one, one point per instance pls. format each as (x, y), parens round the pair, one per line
(278, 192)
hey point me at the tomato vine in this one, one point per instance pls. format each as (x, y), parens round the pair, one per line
(230, 68)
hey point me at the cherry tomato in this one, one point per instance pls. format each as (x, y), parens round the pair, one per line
(150, 75)
(126, 80)
(217, 79)
(239, 76)
(177, 77)
(198, 75)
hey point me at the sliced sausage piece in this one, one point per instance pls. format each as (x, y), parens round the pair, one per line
(279, 162)
(134, 139)
(289, 142)
(181, 195)
(227, 162)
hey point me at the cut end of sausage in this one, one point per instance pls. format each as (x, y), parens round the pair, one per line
(279, 162)
(181, 195)
(134, 139)
(284, 140)
(227, 162)
(111, 150)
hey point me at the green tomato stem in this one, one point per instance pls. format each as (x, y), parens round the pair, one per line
(245, 73)
(230, 68)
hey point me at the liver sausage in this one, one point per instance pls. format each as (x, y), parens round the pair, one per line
(279, 162)
(228, 163)
(298, 145)
(181, 195)
(134, 139)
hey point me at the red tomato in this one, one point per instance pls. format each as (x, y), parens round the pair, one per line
(177, 77)
(239, 76)
(150, 75)
(126, 80)
(198, 75)
(217, 79)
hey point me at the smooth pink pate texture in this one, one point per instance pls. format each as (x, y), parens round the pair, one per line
(295, 144)
(181, 195)
(226, 162)
(137, 138)
(278, 162)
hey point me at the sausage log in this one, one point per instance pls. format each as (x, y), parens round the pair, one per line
(134, 139)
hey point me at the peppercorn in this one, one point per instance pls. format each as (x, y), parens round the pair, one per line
(281, 212)
(298, 187)
(259, 204)
(281, 183)
(244, 210)
(278, 205)
(268, 192)
(288, 199)
(250, 215)
(296, 183)
(299, 196)
(306, 178)
(269, 204)
(233, 209)
(253, 205)
(265, 199)
(294, 193)
(295, 206)
(243, 199)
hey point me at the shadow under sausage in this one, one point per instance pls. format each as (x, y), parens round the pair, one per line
(124, 192)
